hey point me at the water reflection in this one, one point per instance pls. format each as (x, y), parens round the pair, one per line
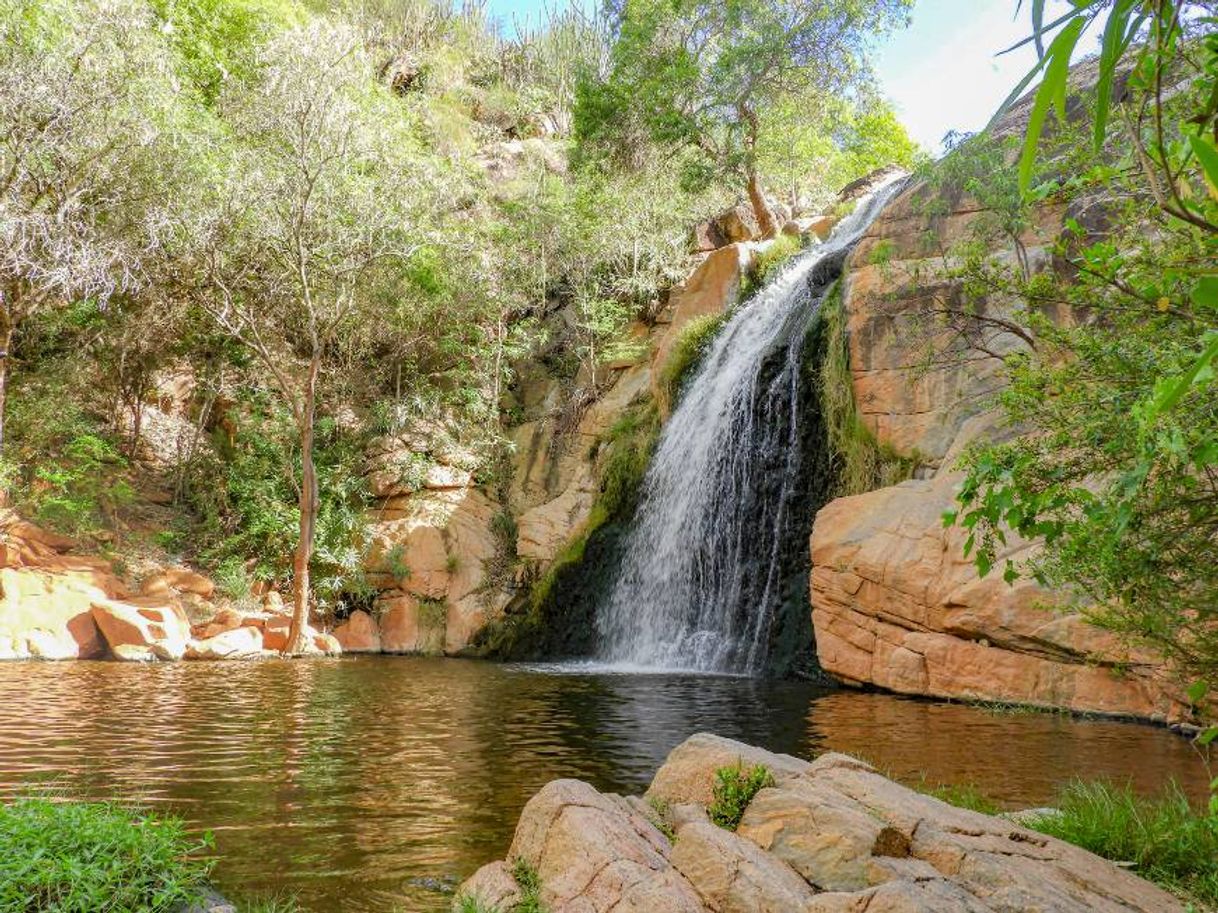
(343, 780)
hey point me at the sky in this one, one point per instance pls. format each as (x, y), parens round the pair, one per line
(942, 72)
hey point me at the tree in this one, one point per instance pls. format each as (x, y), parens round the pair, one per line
(1118, 469)
(814, 150)
(702, 74)
(316, 212)
(85, 119)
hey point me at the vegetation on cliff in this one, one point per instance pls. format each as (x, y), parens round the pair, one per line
(1118, 472)
(239, 241)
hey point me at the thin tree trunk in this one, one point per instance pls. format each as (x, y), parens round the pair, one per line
(6, 342)
(761, 209)
(308, 513)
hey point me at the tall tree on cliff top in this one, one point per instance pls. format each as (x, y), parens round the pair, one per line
(315, 215)
(700, 73)
(85, 114)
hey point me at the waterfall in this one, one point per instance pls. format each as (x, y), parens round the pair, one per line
(703, 569)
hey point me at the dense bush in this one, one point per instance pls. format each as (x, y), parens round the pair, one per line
(80, 857)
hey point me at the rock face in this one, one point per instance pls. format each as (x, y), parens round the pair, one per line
(47, 595)
(831, 836)
(895, 604)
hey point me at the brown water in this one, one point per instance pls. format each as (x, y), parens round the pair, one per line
(355, 782)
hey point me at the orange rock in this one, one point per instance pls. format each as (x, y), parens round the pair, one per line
(895, 604)
(144, 628)
(359, 634)
(399, 624)
(326, 643)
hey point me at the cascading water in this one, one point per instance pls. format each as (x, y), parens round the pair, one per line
(703, 570)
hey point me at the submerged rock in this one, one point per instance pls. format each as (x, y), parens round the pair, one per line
(831, 836)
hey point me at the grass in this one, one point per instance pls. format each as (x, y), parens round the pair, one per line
(769, 263)
(82, 857)
(433, 624)
(860, 462)
(1164, 838)
(687, 353)
(963, 795)
(735, 787)
(660, 811)
(529, 883)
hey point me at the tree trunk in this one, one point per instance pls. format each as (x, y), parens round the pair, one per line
(308, 513)
(761, 209)
(6, 341)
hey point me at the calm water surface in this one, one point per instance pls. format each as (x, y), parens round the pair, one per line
(353, 782)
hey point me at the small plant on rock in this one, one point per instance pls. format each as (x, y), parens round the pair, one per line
(529, 883)
(735, 787)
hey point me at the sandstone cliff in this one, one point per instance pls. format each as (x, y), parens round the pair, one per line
(895, 603)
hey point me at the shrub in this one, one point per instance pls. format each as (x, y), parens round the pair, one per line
(81, 857)
(735, 787)
(1165, 839)
(246, 502)
(692, 344)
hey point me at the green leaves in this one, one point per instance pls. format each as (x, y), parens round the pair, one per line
(1207, 155)
(734, 789)
(1122, 25)
(1052, 93)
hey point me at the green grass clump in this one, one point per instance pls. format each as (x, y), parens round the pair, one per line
(964, 795)
(860, 462)
(1165, 839)
(687, 353)
(735, 787)
(82, 857)
(769, 263)
(529, 883)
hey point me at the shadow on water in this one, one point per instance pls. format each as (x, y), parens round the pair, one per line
(349, 781)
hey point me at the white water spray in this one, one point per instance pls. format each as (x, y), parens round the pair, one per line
(700, 579)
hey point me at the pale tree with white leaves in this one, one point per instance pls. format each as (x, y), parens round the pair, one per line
(86, 115)
(316, 210)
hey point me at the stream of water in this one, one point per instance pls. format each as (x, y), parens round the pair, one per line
(361, 784)
(705, 565)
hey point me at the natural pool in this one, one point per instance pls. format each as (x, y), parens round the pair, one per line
(356, 783)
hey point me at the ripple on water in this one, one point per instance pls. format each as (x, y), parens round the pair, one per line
(362, 784)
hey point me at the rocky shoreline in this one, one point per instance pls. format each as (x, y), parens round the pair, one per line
(58, 605)
(828, 836)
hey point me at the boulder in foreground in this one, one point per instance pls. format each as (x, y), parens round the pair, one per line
(829, 836)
